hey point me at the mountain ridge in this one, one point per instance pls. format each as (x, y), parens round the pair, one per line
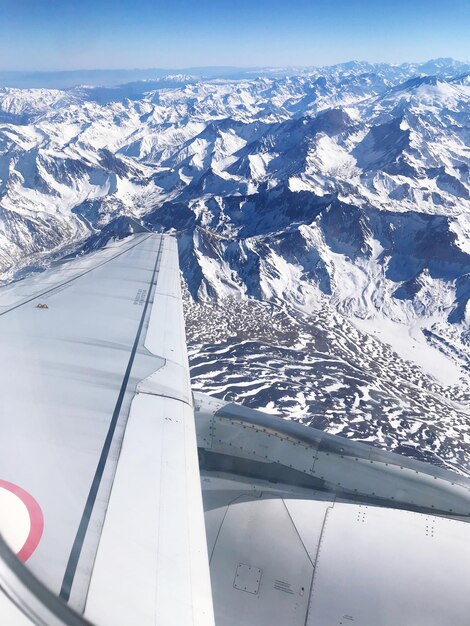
(344, 189)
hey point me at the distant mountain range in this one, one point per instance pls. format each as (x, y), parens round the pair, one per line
(350, 182)
(67, 79)
(342, 189)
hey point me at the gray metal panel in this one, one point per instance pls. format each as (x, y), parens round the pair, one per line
(334, 444)
(391, 483)
(258, 533)
(270, 448)
(247, 578)
(372, 566)
(382, 567)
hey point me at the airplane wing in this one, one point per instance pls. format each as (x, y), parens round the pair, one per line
(99, 480)
(306, 528)
(104, 452)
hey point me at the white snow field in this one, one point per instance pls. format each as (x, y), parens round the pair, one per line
(323, 218)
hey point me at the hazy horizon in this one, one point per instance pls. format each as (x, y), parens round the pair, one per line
(271, 66)
(62, 35)
(120, 77)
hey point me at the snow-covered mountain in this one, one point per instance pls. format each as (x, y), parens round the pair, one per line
(340, 191)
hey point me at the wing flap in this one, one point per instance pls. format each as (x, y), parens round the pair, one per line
(153, 546)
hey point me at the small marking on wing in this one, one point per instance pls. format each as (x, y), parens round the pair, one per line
(140, 297)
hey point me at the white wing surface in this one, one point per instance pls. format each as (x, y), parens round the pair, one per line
(99, 478)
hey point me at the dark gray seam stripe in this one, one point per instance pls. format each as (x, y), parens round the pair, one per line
(92, 269)
(315, 564)
(243, 495)
(298, 534)
(164, 395)
(83, 526)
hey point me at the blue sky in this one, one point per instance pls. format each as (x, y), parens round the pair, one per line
(88, 34)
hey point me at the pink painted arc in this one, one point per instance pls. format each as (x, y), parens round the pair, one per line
(36, 519)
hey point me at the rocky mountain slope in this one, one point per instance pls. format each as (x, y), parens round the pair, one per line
(331, 202)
